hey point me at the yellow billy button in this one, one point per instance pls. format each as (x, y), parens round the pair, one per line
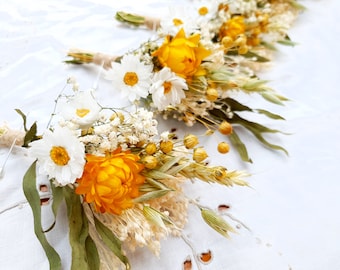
(225, 128)
(212, 94)
(200, 154)
(223, 147)
(150, 148)
(190, 141)
(166, 146)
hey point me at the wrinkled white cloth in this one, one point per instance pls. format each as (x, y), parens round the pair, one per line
(292, 207)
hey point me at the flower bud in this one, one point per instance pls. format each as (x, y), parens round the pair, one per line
(166, 146)
(150, 148)
(223, 147)
(200, 154)
(190, 141)
(225, 128)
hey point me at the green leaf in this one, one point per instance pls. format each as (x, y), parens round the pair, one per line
(270, 115)
(111, 241)
(32, 196)
(78, 229)
(23, 118)
(240, 146)
(235, 105)
(58, 196)
(257, 131)
(31, 135)
(92, 254)
(252, 125)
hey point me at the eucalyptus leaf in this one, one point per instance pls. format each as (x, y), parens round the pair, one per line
(111, 241)
(32, 196)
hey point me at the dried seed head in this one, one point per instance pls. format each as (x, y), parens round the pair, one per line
(200, 154)
(225, 128)
(150, 148)
(223, 147)
(166, 146)
(227, 42)
(190, 141)
(212, 94)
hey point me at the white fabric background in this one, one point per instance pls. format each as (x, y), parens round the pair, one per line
(292, 208)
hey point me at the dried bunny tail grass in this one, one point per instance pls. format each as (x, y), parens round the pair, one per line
(8, 135)
(134, 229)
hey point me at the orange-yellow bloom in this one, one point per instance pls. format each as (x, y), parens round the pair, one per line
(233, 27)
(111, 182)
(182, 55)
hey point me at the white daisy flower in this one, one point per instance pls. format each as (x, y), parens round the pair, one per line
(60, 155)
(167, 88)
(81, 109)
(131, 77)
(179, 17)
(205, 10)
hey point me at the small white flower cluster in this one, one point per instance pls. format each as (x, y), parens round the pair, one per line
(134, 78)
(120, 131)
(242, 7)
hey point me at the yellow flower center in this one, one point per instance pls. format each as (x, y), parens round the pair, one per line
(203, 11)
(59, 155)
(177, 22)
(82, 112)
(130, 78)
(167, 87)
